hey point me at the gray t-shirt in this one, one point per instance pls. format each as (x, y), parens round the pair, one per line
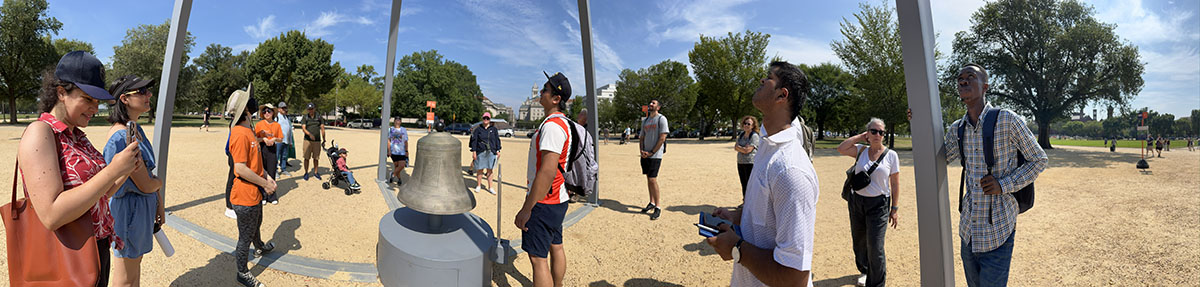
(751, 141)
(652, 127)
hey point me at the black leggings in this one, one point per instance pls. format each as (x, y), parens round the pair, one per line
(744, 173)
(102, 247)
(270, 166)
(249, 219)
(229, 182)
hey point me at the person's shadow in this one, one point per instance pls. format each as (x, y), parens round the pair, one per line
(500, 272)
(284, 240)
(218, 272)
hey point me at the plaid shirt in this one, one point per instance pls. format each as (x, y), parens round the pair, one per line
(988, 220)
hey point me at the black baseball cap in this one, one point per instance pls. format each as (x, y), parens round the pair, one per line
(559, 84)
(128, 83)
(85, 71)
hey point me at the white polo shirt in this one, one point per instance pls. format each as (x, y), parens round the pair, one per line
(780, 205)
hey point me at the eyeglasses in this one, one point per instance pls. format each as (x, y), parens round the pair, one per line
(140, 91)
(747, 124)
(876, 132)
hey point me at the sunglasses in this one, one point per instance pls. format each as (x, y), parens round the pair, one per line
(139, 91)
(876, 132)
(747, 124)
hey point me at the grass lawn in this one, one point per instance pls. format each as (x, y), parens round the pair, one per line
(176, 121)
(1098, 143)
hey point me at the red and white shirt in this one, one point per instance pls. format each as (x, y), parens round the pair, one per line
(79, 161)
(554, 136)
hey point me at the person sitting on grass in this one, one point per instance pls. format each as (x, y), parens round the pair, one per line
(342, 168)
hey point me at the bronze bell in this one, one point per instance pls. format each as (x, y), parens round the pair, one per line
(436, 185)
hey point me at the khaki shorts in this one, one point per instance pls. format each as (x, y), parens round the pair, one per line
(312, 149)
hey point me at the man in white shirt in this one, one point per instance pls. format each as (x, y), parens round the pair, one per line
(775, 244)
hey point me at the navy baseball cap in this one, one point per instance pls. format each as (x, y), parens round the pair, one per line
(85, 71)
(561, 86)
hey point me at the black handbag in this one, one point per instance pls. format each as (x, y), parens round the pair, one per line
(859, 180)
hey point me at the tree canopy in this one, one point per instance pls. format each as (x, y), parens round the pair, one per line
(25, 52)
(1046, 58)
(870, 50)
(667, 81)
(427, 76)
(727, 72)
(292, 68)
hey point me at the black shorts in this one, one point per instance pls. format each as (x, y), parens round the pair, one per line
(650, 166)
(545, 228)
(399, 158)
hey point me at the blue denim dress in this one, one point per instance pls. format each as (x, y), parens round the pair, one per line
(133, 211)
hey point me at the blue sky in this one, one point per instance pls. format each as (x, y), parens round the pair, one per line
(508, 43)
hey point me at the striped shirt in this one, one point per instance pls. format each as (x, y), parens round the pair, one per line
(988, 220)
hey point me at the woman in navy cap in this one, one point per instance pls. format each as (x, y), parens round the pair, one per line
(65, 176)
(136, 207)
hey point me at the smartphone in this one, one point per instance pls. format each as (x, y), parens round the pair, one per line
(707, 231)
(131, 133)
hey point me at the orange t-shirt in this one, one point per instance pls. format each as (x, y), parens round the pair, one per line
(263, 127)
(244, 149)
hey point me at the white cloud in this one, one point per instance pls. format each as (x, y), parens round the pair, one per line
(265, 28)
(320, 26)
(1142, 26)
(244, 47)
(797, 50)
(685, 21)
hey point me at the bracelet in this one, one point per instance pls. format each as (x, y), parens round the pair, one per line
(894, 208)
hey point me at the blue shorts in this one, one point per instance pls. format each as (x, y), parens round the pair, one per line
(545, 228)
(133, 221)
(485, 160)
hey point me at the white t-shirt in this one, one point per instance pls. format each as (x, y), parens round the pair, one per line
(780, 206)
(880, 181)
(551, 136)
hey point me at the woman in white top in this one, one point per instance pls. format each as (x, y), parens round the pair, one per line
(872, 207)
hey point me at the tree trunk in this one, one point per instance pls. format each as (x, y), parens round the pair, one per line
(1044, 133)
(891, 139)
(12, 109)
(820, 131)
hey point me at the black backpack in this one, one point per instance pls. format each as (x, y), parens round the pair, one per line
(1024, 196)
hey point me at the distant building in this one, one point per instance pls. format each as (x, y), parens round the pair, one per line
(606, 92)
(531, 110)
(496, 109)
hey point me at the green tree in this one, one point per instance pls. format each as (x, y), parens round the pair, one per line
(1195, 118)
(1182, 127)
(1161, 124)
(832, 86)
(1046, 58)
(357, 93)
(24, 54)
(292, 68)
(667, 81)
(64, 46)
(427, 76)
(141, 53)
(871, 52)
(727, 72)
(220, 72)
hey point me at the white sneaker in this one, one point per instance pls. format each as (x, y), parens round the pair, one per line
(862, 280)
(476, 190)
(492, 191)
(229, 213)
(275, 202)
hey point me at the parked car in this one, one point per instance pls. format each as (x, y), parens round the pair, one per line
(458, 128)
(361, 124)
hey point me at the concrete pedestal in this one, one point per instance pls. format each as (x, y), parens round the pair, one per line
(410, 252)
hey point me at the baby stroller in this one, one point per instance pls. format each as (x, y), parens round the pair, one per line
(336, 177)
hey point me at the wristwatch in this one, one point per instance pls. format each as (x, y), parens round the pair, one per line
(737, 254)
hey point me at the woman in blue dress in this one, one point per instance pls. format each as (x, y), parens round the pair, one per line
(137, 206)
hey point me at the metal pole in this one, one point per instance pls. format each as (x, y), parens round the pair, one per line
(589, 74)
(929, 160)
(168, 82)
(393, 30)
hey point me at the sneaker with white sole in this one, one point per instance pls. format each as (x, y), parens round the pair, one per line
(862, 280)
(229, 213)
(275, 202)
(492, 191)
(248, 280)
(476, 190)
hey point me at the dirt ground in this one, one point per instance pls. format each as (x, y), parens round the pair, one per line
(1098, 220)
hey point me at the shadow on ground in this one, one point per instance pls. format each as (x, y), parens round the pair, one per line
(635, 282)
(848, 280)
(218, 272)
(700, 247)
(501, 272)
